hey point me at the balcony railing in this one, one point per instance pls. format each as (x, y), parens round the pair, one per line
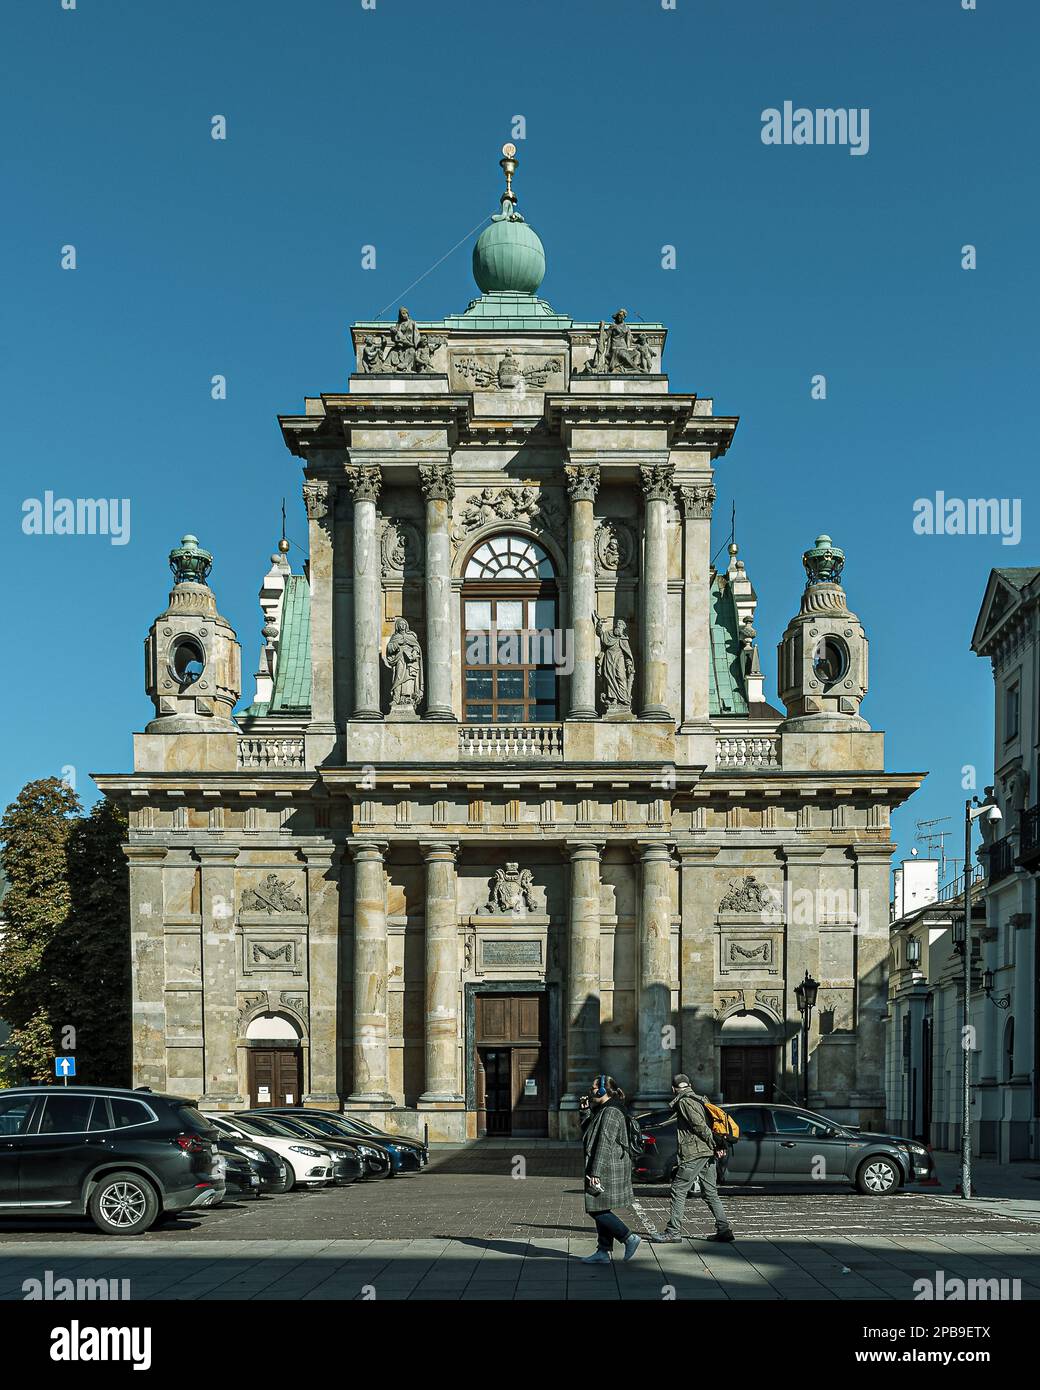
(511, 742)
(1001, 859)
(754, 751)
(1029, 834)
(270, 750)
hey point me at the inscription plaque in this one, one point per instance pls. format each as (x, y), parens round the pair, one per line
(512, 953)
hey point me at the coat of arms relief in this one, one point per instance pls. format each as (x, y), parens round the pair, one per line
(511, 891)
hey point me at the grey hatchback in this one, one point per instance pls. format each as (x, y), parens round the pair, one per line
(786, 1144)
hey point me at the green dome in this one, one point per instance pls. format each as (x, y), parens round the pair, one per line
(508, 256)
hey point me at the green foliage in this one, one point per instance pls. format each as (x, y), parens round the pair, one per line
(65, 956)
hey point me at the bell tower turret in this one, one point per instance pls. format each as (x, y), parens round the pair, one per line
(823, 653)
(193, 662)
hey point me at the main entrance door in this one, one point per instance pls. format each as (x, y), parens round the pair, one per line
(275, 1076)
(511, 1064)
(748, 1074)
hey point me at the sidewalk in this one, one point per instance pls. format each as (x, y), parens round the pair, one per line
(1008, 1189)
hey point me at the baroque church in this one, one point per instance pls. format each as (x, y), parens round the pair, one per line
(508, 807)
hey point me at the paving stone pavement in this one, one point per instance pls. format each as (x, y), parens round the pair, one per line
(476, 1226)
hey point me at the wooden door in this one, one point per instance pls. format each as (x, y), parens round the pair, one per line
(748, 1074)
(512, 1067)
(498, 1090)
(275, 1076)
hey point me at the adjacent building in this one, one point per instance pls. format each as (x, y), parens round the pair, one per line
(509, 806)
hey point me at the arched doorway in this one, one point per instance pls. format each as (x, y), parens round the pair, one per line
(747, 1069)
(275, 1061)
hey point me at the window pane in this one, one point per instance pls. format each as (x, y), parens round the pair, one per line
(99, 1115)
(478, 613)
(511, 714)
(66, 1115)
(542, 613)
(499, 544)
(509, 615)
(127, 1112)
(478, 685)
(510, 685)
(543, 685)
(14, 1112)
(478, 714)
(543, 714)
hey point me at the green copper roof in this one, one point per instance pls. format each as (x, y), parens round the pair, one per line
(727, 693)
(292, 677)
(508, 256)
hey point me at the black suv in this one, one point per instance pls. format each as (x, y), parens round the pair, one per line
(124, 1158)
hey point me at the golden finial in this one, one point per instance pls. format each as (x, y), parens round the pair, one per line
(508, 164)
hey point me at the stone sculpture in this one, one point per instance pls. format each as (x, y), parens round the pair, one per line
(271, 896)
(512, 889)
(404, 659)
(615, 664)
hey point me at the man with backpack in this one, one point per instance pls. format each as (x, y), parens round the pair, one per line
(699, 1146)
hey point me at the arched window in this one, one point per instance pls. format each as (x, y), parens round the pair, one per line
(510, 634)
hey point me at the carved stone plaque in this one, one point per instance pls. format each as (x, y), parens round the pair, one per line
(511, 953)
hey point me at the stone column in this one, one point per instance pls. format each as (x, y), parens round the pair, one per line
(697, 906)
(319, 496)
(582, 486)
(323, 865)
(443, 1088)
(147, 958)
(371, 1061)
(365, 481)
(220, 967)
(656, 1048)
(438, 487)
(801, 953)
(697, 502)
(657, 491)
(873, 868)
(583, 971)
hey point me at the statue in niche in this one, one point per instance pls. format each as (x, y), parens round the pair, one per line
(404, 660)
(512, 890)
(615, 664)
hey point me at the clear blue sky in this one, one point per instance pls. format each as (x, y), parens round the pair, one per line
(349, 126)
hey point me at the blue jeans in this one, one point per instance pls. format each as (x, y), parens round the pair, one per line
(609, 1228)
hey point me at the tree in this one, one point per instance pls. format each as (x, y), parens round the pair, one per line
(64, 959)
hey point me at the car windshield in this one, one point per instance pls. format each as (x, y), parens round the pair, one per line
(194, 1119)
(266, 1125)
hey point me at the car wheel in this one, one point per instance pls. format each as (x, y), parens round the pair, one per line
(124, 1204)
(877, 1177)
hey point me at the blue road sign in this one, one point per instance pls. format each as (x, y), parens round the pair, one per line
(64, 1066)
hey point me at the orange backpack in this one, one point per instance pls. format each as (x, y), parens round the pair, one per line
(724, 1127)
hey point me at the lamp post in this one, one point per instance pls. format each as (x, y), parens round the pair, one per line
(805, 995)
(972, 810)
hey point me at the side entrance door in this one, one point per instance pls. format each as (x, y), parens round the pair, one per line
(512, 1064)
(747, 1074)
(275, 1076)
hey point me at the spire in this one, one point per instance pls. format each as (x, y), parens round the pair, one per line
(508, 257)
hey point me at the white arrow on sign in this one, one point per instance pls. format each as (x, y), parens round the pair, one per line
(63, 1062)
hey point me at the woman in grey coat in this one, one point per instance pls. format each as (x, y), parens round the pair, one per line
(608, 1169)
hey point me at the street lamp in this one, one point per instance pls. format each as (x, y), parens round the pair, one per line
(913, 950)
(973, 808)
(805, 995)
(1004, 1002)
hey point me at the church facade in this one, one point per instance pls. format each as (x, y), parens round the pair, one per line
(509, 807)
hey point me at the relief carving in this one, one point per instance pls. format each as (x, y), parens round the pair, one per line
(272, 895)
(512, 890)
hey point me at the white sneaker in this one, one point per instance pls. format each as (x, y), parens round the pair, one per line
(599, 1258)
(632, 1244)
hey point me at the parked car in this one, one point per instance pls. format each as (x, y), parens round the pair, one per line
(309, 1165)
(374, 1162)
(271, 1172)
(124, 1158)
(240, 1176)
(406, 1155)
(784, 1144)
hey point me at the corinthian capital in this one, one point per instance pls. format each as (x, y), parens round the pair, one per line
(437, 481)
(657, 482)
(316, 499)
(582, 482)
(364, 481)
(698, 501)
